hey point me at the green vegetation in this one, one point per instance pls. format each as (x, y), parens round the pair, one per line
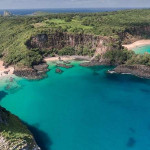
(119, 56)
(127, 57)
(66, 51)
(15, 132)
(16, 30)
(84, 51)
(143, 59)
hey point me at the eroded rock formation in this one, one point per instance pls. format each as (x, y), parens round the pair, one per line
(59, 40)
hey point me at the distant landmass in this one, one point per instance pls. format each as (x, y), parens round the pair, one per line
(61, 10)
(7, 13)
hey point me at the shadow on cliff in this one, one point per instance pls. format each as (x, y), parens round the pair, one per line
(3, 94)
(42, 139)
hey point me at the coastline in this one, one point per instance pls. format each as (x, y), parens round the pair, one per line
(137, 44)
(66, 58)
(140, 71)
(5, 71)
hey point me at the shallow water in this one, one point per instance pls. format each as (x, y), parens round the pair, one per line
(84, 109)
(142, 49)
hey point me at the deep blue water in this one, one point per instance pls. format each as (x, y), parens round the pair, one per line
(61, 10)
(83, 109)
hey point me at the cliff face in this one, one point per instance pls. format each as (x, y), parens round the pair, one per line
(59, 40)
(13, 134)
(135, 33)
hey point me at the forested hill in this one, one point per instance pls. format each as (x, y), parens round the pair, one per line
(16, 31)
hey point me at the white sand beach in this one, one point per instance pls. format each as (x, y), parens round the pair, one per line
(66, 58)
(5, 71)
(137, 44)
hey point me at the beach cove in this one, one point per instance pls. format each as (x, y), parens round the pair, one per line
(139, 47)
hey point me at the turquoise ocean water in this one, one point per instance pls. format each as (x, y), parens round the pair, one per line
(83, 109)
(142, 49)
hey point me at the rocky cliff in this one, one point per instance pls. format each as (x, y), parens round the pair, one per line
(58, 40)
(134, 33)
(13, 134)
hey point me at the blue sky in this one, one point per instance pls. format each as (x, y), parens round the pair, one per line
(72, 3)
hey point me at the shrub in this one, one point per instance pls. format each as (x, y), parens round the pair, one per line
(119, 56)
(143, 59)
(66, 51)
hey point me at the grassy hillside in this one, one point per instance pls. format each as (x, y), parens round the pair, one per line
(16, 30)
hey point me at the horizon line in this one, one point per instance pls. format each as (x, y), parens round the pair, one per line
(77, 8)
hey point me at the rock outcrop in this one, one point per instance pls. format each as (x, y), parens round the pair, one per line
(64, 66)
(7, 14)
(134, 34)
(37, 72)
(59, 71)
(137, 70)
(14, 135)
(96, 63)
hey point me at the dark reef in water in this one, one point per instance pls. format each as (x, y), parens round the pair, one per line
(64, 66)
(3, 94)
(59, 71)
(131, 142)
(145, 90)
(42, 138)
(132, 130)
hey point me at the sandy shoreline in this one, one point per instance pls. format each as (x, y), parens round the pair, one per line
(137, 44)
(5, 71)
(8, 72)
(66, 58)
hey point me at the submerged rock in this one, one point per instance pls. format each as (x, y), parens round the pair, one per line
(41, 67)
(67, 62)
(3, 94)
(64, 66)
(90, 64)
(131, 142)
(96, 63)
(132, 130)
(59, 71)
